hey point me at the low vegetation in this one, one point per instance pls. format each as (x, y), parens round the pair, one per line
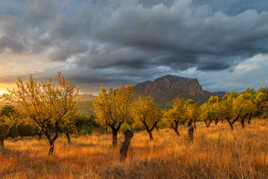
(217, 152)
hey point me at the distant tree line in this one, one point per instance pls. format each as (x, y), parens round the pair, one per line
(49, 109)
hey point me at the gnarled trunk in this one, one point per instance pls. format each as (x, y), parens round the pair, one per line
(243, 123)
(51, 148)
(124, 148)
(150, 130)
(177, 132)
(232, 121)
(249, 118)
(115, 129)
(51, 141)
(150, 135)
(175, 127)
(191, 133)
(115, 134)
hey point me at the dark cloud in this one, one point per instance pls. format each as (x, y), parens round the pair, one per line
(10, 44)
(213, 66)
(131, 40)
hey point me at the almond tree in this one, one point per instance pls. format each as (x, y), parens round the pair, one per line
(48, 105)
(112, 108)
(176, 115)
(146, 112)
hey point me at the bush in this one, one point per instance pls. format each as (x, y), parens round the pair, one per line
(85, 124)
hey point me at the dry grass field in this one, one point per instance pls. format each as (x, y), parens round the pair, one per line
(217, 152)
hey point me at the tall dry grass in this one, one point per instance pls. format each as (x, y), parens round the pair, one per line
(217, 152)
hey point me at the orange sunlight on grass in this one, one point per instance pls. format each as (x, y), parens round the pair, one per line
(217, 152)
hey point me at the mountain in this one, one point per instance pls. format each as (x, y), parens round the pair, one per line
(166, 88)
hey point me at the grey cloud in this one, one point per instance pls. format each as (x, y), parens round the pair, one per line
(131, 40)
(213, 67)
(13, 45)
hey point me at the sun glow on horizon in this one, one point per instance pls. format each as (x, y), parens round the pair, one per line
(2, 92)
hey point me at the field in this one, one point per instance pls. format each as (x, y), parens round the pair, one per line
(217, 152)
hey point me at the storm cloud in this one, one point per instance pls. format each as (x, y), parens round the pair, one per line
(120, 41)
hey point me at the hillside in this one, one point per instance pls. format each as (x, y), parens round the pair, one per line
(163, 90)
(167, 88)
(85, 104)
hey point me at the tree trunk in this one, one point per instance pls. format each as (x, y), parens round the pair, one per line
(191, 132)
(68, 137)
(150, 130)
(115, 133)
(177, 131)
(249, 118)
(124, 148)
(207, 122)
(175, 127)
(150, 135)
(2, 142)
(243, 123)
(230, 124)
(51, 142)
(51, 148)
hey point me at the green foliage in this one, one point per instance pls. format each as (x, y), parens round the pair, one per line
(9, 116)
(85, 124)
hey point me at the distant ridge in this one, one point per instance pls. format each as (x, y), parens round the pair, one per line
(166, 88)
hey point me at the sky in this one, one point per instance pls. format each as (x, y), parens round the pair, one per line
(224, 44)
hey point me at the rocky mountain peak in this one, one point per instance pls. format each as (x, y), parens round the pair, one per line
(169, 87)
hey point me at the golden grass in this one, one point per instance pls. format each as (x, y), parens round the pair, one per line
(217, 152)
